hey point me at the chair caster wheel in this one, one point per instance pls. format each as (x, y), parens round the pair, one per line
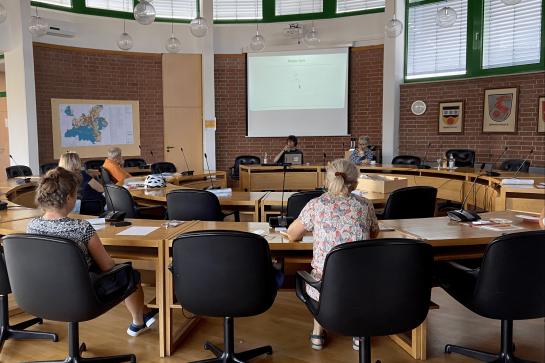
(378, 361)
(448, 349)
(82, 348)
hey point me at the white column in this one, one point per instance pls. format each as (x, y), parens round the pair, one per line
(20, 87)
(393, 77)
(208, 95)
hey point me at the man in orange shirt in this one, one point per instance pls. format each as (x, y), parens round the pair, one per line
(113, 165)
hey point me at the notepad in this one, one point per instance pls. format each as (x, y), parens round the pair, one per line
(137, 231)
(97, 221)
(308, 239)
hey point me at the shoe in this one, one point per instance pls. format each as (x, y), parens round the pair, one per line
(321, 339)
(149, 317)
(356, 344)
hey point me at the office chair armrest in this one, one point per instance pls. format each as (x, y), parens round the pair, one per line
(456, 279)
(120, 278)
(301, 280)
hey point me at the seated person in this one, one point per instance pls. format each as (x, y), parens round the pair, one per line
(56, 195)
(291, 146)
(336, 217)
(364, 153)
(90, 188)
(114, 165)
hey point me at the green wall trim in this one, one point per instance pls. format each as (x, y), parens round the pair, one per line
(3, 94)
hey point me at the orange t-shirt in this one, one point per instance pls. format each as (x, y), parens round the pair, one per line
(116, 171)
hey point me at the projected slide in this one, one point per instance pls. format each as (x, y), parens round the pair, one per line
(304, 93)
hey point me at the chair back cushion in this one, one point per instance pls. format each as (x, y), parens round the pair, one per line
(511, 283)
(377, 287)
(462, 157)
(223, 273)
(18, 170)
(44, 168)
(406, 160)
(93, 164)
(163, 167)
(514, 165)
(5, 288)
(244, 160)
(297, 201)
(120, 199)
(105, 175)
(411, 202)
(134, 163)
(189, 204)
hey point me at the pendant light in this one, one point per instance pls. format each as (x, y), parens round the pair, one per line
(198, 27)
(311, 38)
(257, 43)
(506, 2)
(144, 12)
(3, 13)
(173, 44)
(125, 40)
(446, 16)
(394, 26)
(37, 27)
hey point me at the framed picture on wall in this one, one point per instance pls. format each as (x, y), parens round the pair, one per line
(451, 117)
(500, 110)
(541, 115)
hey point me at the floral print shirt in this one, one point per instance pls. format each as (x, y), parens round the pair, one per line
(357, 159)
(334, 220)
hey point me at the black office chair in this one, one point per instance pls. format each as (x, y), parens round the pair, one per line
(514, 165)
(242, 160)
(509, 285)
(406, 160)
(93, 164)
(50, 278)
(92, 207)
(462, 157)
(16, 331)
(106, 177)
(225, 274)
(297, 202)
(120, 199)
(163, 167)
(363, 296)
(189, 204)
(134, 163)
(410, 202)
(18, 170)
(44, 168)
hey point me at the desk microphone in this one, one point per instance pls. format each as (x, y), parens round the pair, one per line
(21, 171)
(422, 165)
(495, 173)
(210, 175)
(463, 215)
(523, 162)
(187, 172)
(282, 221)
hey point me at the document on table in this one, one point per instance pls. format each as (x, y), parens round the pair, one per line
(137, 231)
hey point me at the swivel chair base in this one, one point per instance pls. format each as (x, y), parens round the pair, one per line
(17, 331)
(75, 350)
(229, 355)
(507, 348)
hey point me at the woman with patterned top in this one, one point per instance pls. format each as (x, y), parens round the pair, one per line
(56, 195)
(363, 153)
(335, 217)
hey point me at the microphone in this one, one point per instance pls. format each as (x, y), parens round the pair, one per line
(325, 157)
(495, 173)
(187, 172)
(210, 175)
(422, 165)
(523, 162)
(463, 215)
(282, 221)
(24, 178)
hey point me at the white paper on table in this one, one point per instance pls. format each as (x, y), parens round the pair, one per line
(499, 229)
(280, 229)
(137, 231)
(259, 232)
(98, 227)
(97, 221)
(308, 239)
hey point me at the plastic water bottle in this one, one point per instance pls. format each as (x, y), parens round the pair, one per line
(265, 160)
(451, 162)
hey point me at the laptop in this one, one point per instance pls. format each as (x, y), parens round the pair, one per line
(293, 158)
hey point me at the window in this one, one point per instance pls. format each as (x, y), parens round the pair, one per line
(183, 9)
(511, 34)
(346, 6)
(66, 3)
(118, 5)
(238, 9)
(433, 51)
(290, 7)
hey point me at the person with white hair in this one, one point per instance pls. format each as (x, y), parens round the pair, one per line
(337, 216)
(363, 153)
(114, 165)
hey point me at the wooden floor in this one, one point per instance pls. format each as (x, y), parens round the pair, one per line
(286, 327)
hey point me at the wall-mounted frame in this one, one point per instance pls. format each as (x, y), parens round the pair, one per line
(451, 117)
(500, 110)
(541, 115)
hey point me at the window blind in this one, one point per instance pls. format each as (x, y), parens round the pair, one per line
(346, 6)
(117, 5)
(433, 51)
(290, 7)
(66, 3)
(183, 9)
(238, 9)
(511, 34)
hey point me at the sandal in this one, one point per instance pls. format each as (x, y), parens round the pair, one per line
(320, 338)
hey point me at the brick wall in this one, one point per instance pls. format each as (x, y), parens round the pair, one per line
(93, 74)
(365, 112)
(416, 131)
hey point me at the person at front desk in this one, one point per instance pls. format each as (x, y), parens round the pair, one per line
(364, 153)
(291, 146)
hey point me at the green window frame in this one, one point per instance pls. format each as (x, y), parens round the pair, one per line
(474, 48)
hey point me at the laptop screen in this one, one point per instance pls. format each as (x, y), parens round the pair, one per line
(293, 158)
